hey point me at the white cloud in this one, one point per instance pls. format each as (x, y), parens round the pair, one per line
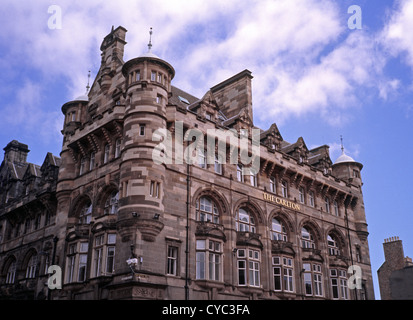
(301, 53)
(396, 36)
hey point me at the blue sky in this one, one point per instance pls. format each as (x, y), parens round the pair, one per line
(313, 76)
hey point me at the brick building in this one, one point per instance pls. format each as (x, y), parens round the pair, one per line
(396, 273)
(130, 227)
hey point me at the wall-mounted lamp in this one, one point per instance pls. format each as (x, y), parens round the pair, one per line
(156, 216)
(135, 214)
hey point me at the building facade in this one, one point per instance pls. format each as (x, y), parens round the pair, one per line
(148, 206)
(27, 222)
(396, 273)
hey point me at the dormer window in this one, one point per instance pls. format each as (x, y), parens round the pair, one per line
(184, 100)
(208, 116)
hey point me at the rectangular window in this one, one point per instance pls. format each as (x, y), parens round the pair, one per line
(142, 130)
(172, 260)
(335, 204)
(242, 273)
(159, 78)
(82, 267)
(70, 268)
(311, 198)
(153, 76)
(277, 278)
(272, 184)
(110, 260)
(240, 176)
(284, 189)
(202, 159)
(327, 204)
(98, 261)
(318, 285)
(343, 285)
(301, 194)
(92, 161)
(117, 147)
(253, 265)
(158, 99)
(308, 284)
(208, 260)
(288, 280)
(82, 166)
(334, 283)
(154, 189)
(334, 287)
(288, 274)
(200, 265)
(214, 266)
(138, 75)
(218, 165)
(106, 153)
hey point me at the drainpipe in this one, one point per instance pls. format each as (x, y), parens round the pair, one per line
(349, 243)
(187, 233)
(55, 239)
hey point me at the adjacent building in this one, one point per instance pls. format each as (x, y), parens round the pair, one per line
(127, 224)
(396, 273)
(27, 222)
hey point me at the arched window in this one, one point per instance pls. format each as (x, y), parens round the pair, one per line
(86, 213)
(31, 266)
(207, 210)
(332, 244)
(278, 231)
(245, 221)
(111, 204)
(11, 272)
(307, 239)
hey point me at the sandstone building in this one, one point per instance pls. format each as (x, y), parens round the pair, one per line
(127, 227)
(396, 273)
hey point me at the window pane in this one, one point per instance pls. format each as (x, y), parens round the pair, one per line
(242, 276)
(200, 244)
(200, 265)
(111, 238)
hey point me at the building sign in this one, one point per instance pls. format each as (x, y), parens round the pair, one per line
(281, 201)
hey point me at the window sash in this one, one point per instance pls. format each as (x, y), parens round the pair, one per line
(288, 280)
(172, 260)
(110, 260)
